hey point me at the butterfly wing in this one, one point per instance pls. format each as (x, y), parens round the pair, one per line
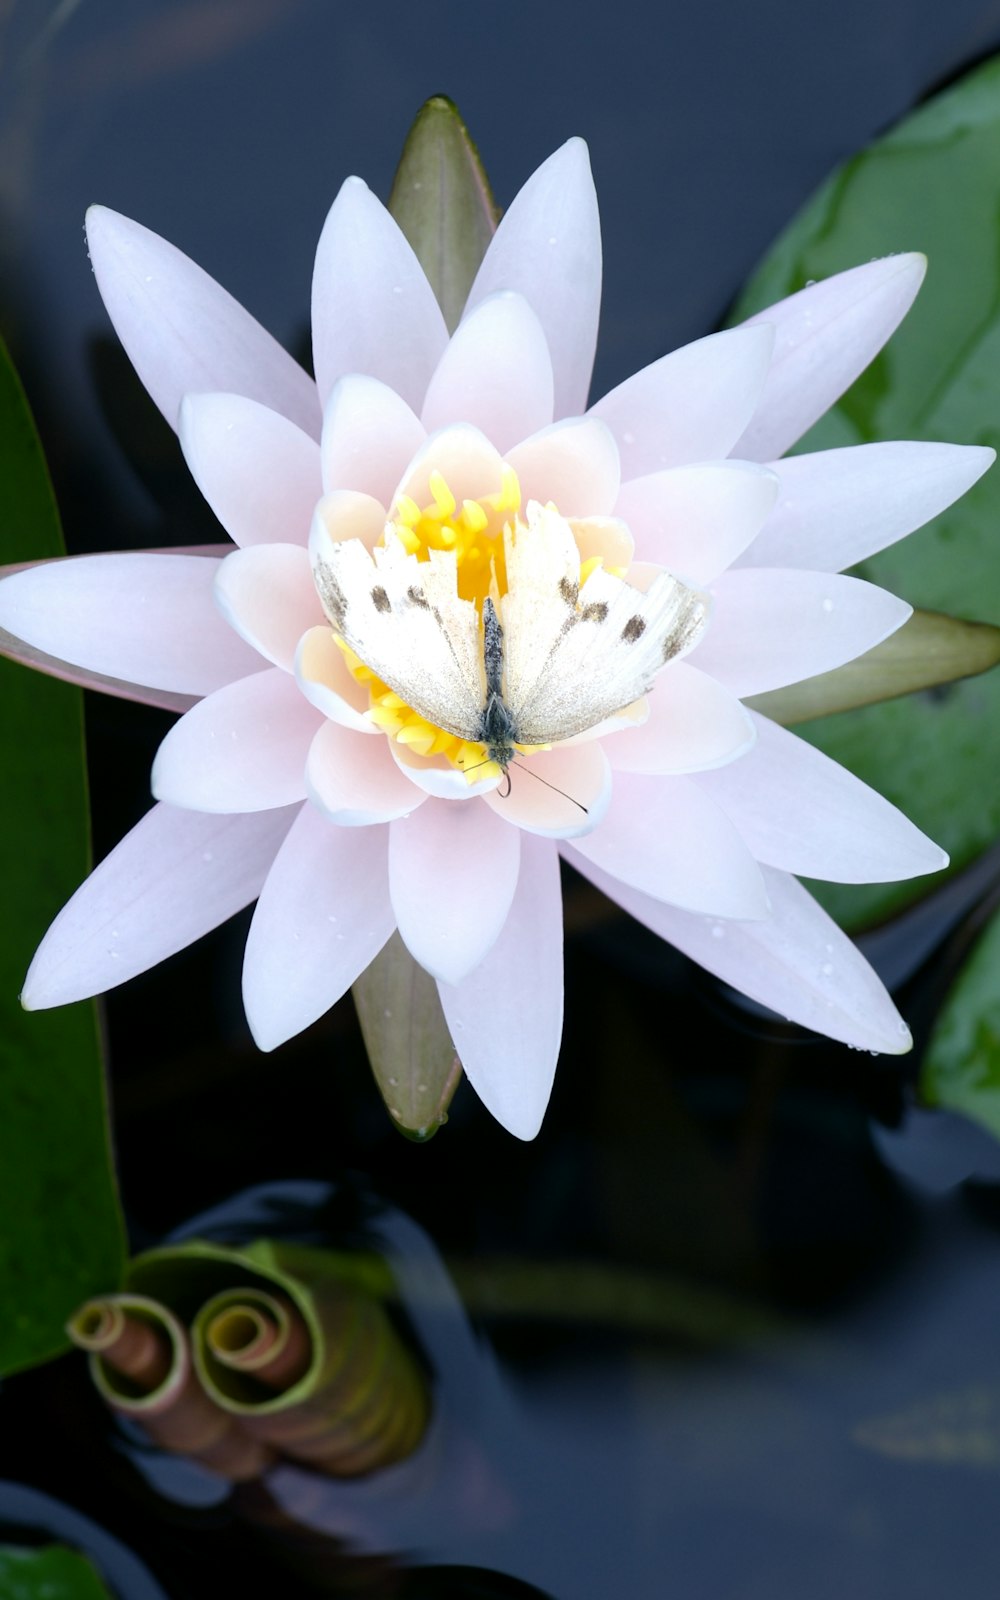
(403, 618)
(574, 658)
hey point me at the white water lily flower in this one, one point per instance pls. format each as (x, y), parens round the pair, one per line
(298, 779)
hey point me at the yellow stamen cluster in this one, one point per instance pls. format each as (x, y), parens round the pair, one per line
(474, 531)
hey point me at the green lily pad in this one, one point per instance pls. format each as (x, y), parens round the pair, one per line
(50, 1573)
(932, 184)
(442, 201)
(62, 1236)
(961, 1067)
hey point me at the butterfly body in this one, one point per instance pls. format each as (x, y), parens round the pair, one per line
(498, 728)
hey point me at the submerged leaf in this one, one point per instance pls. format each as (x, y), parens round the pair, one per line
(961, 1067)
(928, 650)
(49, 1573)
(932, 184)
(961, 1429)
(407, 1040)
(442, 201)
(62, 1236)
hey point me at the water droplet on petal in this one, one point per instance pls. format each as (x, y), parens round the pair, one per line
(827, 604)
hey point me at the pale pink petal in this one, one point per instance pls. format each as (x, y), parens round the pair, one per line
(436, 776)
(693, 723)
(373, 310)
(470, 465)
(328, 683)
(665, 836)
(505, 1018)
(548, 248)
(770, 627)
(242, 749)
(182, 332)
(28, 656)
(177, 875)
(322, 916)
(496, 374)
(452, 874)
(838, 507)
(355, 781)
(691, 405)
(610, 540)
(369, 435)
(558, 793)
(696, 520)
(259, 472)
(140, 617)
(824, 337)
(573, 463)
(800, 811)
(343, 514)
(798, 962)
(267, 594)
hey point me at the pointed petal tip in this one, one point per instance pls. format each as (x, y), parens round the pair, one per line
(577, 149)
(266, 1039)
(525, 1129)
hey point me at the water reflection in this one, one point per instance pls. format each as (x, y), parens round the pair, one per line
(594, 1472)
(810, 1412)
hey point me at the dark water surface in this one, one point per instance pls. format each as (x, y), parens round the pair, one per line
(807, 1402)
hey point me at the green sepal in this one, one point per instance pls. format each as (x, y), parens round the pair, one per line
(928, 650)
(441, 199)
(407, 1039)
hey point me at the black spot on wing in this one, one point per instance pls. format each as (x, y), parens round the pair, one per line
(417, 597)
(634, 629)
(380, 600)
(569, 590)
(595, 612)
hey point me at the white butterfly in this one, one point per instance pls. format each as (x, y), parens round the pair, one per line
(548, 660)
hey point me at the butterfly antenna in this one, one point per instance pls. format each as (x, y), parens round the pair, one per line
(538, 779)
(503, 793)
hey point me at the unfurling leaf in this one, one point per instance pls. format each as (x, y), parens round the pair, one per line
(236, 1357)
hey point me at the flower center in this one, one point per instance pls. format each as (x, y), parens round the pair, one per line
(474, 531)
